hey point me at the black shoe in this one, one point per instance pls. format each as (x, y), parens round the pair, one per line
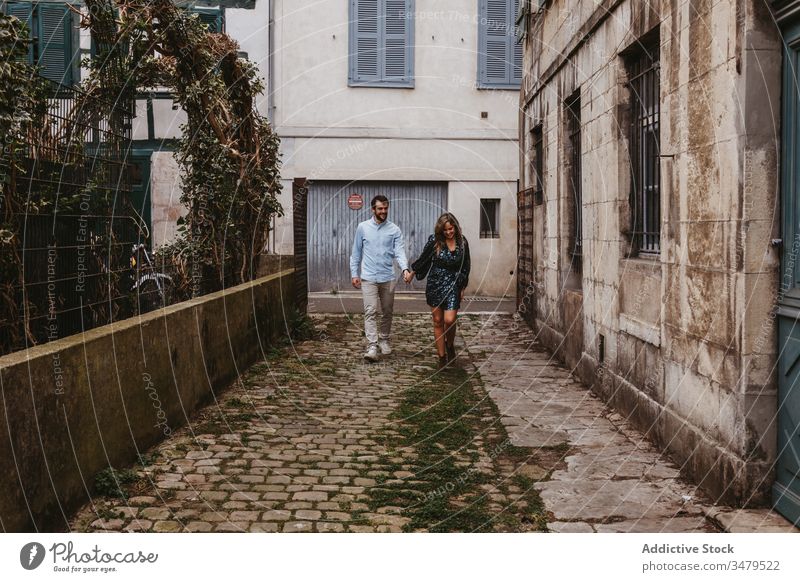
(442, 362)
(451, 354)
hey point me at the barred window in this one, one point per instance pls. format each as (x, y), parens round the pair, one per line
(573, 127)
(645, 150)
(537, 164)
(490, 218)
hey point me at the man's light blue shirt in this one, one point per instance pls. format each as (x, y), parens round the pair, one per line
(375, 249)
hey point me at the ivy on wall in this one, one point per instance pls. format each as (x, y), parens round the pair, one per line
(228, 153)
(21, 102)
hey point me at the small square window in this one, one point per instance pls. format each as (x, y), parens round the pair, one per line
(490, 218)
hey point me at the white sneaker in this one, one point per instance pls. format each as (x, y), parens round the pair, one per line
(372, 354)
(386, 349)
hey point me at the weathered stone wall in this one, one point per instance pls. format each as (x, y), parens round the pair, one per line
(684, 347)
(78, 405)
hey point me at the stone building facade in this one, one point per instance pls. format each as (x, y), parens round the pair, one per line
(649, 217)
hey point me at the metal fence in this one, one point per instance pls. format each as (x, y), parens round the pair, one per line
(77, 228)
(525, 267)
(76, 273)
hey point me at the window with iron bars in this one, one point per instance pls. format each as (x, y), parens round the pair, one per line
(490, 218)
(573, 127)
(645, 149)
(537, 164)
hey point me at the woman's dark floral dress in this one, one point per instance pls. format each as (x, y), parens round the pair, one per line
(447, 272)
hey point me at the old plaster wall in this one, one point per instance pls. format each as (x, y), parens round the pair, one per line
(687, 349)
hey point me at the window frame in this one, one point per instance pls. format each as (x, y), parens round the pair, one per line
(406, 82)
(491, 221)
(644, 149)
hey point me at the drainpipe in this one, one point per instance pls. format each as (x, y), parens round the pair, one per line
(271, 64)
(272, 240)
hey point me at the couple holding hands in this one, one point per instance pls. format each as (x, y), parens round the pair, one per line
(444, 261)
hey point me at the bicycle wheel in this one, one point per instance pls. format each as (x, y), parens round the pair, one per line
(148, 296)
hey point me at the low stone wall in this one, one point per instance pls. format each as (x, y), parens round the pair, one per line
(73, 407)
(269, 264)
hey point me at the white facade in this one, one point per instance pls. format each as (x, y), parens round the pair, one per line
(443, 129)
(431, 132)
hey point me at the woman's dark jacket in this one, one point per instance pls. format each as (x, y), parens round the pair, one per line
(456, 262)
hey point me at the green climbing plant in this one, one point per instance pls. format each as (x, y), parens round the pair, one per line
(228, 153)
(21, 102)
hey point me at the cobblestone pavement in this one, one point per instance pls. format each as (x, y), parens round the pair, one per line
(315, 439)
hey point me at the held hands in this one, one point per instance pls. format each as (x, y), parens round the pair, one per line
(408, 276)
(356, 282)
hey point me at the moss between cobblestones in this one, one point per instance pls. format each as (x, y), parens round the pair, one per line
(444, 464)
(113, 483)
(440, 419)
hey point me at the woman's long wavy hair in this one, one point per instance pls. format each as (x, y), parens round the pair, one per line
(438, 231)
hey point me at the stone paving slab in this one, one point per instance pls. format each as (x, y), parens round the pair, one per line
(749, 520)
(612, 479)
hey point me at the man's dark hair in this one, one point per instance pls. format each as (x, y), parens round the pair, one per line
(378, 198)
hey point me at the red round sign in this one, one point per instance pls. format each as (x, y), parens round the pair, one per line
(355, 201)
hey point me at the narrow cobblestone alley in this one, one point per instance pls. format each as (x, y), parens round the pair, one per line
(315, 439)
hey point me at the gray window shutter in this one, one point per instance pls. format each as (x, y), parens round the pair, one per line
(516, 65)
(365, 36)
(499, 55)
(516, 49)
(55, 43)
(24, 12)
(381, 42)
(396, 41)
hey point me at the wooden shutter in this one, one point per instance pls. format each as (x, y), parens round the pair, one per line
(381, 50)
(395, 27)
(364, 62)
(54, 24)
(23, 11)
(499, 55)
(516, 49)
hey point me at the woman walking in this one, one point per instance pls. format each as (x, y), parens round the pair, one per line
(445, 261)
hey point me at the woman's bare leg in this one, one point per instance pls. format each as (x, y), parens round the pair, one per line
(450, 317)
(438, 329)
